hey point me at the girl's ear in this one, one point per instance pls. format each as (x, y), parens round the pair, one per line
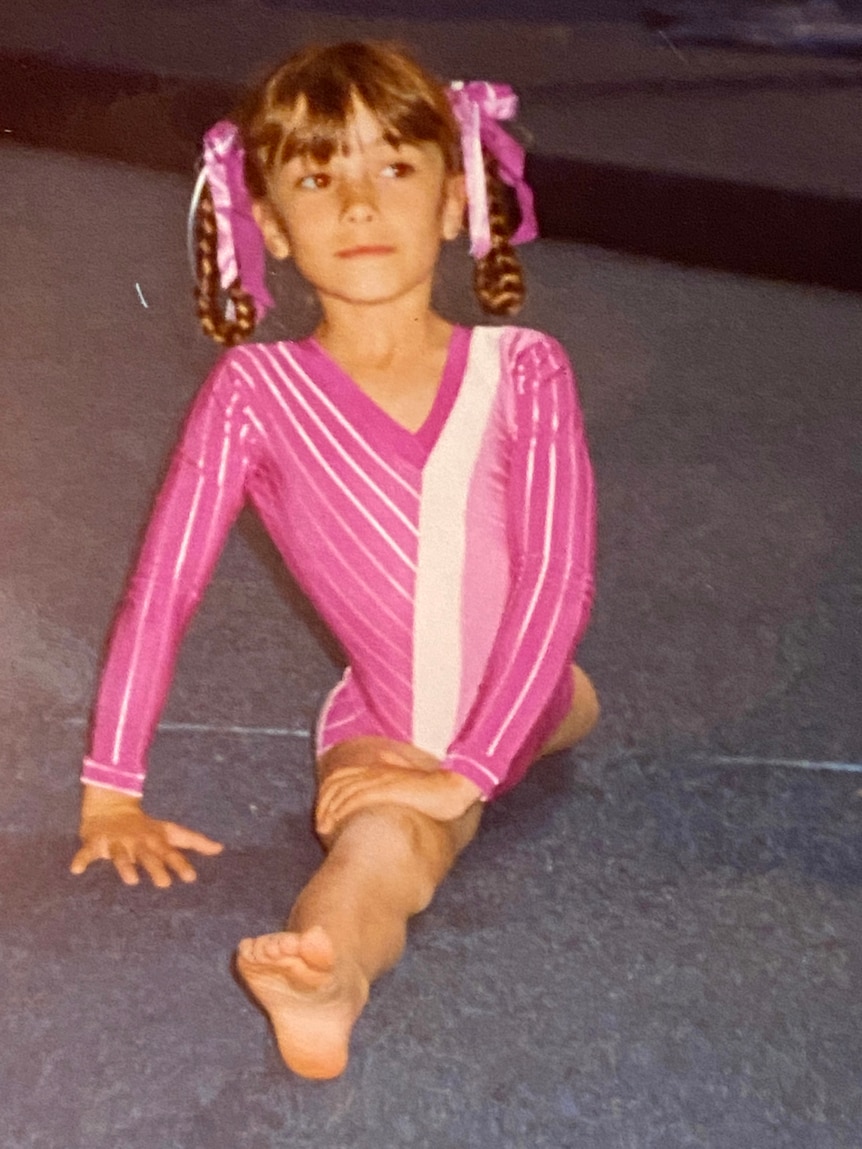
(271, 230)
(454, 206)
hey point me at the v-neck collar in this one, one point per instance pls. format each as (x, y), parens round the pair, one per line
(368, 416)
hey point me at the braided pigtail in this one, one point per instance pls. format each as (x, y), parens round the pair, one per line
(498, 278)
(226, 322)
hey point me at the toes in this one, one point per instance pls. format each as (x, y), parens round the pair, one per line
(276, 946)
(316, 949)
(313, 946)
(269, 947)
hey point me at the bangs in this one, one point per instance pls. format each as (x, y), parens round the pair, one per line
(320, 135)
(309, 104)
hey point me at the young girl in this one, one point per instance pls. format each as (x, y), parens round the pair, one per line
(427, 484)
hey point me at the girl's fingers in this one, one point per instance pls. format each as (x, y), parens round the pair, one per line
(363, 798)
(331, 818)
(159, 860)
(159, 866)
(181, 866)
(124, 865)
(155, 867)
(393, 758)
(333, 797)
(436, 793)
(82, 859)
(341, 778)
(348, 778)
(186, 839)
(97, 850)
(369, 773)
(367, 790)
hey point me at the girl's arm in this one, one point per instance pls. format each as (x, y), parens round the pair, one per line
(552, 527)
(202, 494)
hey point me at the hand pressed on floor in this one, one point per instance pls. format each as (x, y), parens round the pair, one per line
(115, 829)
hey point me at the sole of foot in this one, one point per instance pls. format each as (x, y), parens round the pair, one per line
(310, 999)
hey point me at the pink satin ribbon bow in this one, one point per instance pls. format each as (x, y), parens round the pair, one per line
(240, 243)
(478, 106)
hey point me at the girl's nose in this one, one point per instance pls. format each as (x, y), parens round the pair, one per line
(359, 199)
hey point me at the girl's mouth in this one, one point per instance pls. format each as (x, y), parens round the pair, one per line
(365, 249)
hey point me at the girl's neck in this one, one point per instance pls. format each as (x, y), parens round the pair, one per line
(399, 364)
(380, 336)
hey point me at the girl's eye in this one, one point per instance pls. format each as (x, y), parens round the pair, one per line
(315, 180)
(398, 169)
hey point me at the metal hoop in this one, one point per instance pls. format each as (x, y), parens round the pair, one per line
(191, 247)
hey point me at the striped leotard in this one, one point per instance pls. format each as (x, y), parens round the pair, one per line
(454, 564)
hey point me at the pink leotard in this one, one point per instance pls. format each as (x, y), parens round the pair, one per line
(454, 564)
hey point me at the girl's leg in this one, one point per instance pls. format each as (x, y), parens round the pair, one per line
(349, 924)
(581, 718)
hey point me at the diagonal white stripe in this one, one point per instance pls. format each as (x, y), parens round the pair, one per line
(335, 478)
(339, 418)
(348, 530)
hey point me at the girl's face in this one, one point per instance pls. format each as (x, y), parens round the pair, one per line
(364, 227)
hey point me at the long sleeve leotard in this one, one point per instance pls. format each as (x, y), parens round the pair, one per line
(454, 564)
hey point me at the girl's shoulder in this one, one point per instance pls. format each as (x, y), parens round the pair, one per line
(515, 339)
(525, 367)
(252, 359)
(238, 372)
(527, 349)
(255, 350)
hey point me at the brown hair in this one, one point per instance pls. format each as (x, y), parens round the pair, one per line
(303, 109)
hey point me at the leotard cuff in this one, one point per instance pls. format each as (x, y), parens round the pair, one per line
(475, 771)
(111, 778)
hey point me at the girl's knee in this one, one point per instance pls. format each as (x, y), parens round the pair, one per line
(582, 717)
(400, 838)
(401, 829)
(586, 700)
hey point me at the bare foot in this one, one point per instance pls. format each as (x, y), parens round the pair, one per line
(311, 999)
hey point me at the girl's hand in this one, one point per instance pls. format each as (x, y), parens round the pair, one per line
(116, 829)
(440, 794)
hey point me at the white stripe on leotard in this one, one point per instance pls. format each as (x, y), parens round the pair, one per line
(437, 621)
